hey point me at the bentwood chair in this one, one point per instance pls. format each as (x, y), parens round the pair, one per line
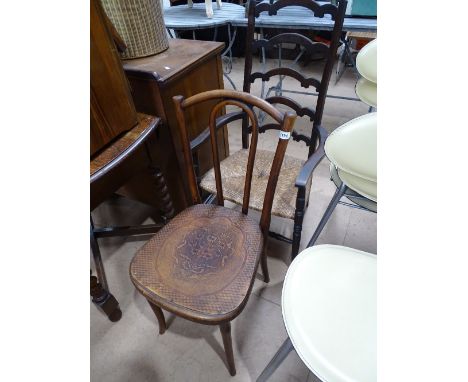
(295, 178)
(202, 264)
(329, 311)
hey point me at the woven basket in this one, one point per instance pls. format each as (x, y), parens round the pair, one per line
(140, 24)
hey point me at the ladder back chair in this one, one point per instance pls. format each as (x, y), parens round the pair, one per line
(294, 182)
(202, 264)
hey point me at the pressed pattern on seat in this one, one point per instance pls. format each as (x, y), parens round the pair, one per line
(233, 177)
(204, 260)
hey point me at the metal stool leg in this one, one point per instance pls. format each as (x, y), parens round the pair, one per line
(279, 357)
(336, 198)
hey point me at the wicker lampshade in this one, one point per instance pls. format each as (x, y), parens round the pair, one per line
(140, 24)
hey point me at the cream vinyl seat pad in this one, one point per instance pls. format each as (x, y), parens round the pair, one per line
(329, 310)
(352, 148)
(350, 194)
(366, 61)
(233, 170)
(367, 92)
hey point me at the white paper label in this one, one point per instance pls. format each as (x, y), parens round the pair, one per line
(284, 135)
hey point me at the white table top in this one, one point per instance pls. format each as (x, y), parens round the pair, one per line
(182, 17)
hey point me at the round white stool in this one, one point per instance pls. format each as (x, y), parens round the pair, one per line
(366, 92)
(366, 61)
(352, 151)
(366, 65)
(352, 148)
(329, 310)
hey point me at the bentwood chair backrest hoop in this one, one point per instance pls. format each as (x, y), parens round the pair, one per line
(245, 102)
(202, 264)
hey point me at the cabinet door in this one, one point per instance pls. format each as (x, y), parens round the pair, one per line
(112, 109)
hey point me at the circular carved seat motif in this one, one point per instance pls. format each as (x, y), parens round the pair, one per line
(204, 251)
(202, 262)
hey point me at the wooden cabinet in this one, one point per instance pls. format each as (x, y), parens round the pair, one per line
(112, 110)
(188, 67)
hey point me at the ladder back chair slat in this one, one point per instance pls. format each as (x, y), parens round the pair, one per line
(336, 12)
(319, 9)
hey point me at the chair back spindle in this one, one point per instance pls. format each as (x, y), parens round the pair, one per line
(287, 127)
(214, 146)
(192, 179)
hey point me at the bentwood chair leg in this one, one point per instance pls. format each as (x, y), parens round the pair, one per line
(279, 357)
(264, 264)
(331, 207)
(298, 219)
(160, 316)
(227, 342)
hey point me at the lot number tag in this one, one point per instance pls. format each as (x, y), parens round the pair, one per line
(284, 135)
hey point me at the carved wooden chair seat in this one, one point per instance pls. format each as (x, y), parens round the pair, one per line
(295, 178)
(202, 264)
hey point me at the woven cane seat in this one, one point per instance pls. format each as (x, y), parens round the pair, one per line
(201, 265)
(233, 170)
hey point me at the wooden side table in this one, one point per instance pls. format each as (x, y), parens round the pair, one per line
(129, 155)
(188, 67)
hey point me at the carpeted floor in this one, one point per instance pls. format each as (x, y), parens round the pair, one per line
(132, 349)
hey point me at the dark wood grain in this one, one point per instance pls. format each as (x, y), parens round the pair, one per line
(121, 160)
(126, 143)
(112, 109)
(105, 301)
(225, 329)
(160, 316)
(202, 264)
(177, 61)
(194, 66)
